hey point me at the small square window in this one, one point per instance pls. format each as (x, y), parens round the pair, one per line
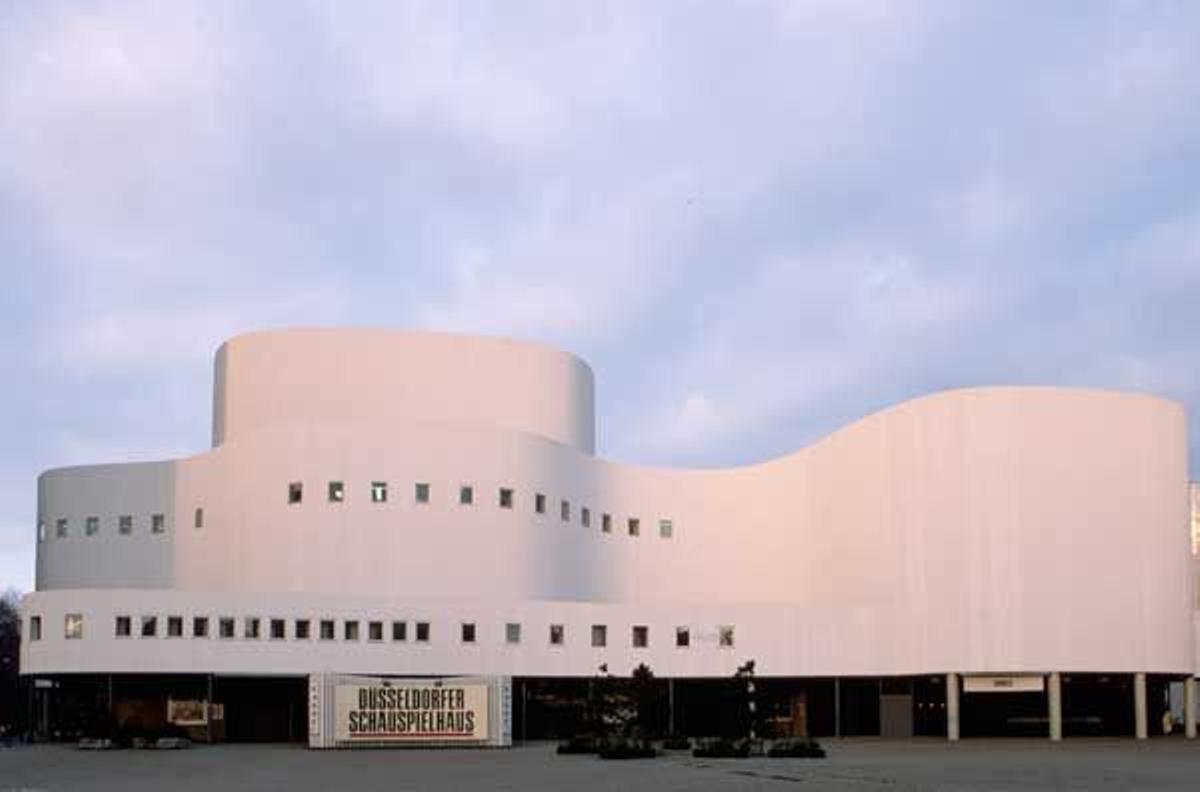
(35, 628)
(666, 529)
(225, 627)
(466, 495)
(683, 637)
(557, 633)
(295, 492)
(199, 626)
(337, 492)
(375, 631)
(423, 632)
(539, 503)
(422, 493)
(327, 630)
(635, 526)
(41, 531)
(585, 517)
(174, 626)
(91, 526)
(641, 636)
(378, 492)
(599, 635)
(60, 528)
(199, 518)
(158, 523)
(350, 630)
(278, 629)
(149, 626)
(606, 523)
(123, 628)
(399, 631)
(512, 633)
(725, 636)
(73, 626)
(125, 524)
(468, 633)
(251, 628)
(564, 511)
(506, 498)
(300, 629)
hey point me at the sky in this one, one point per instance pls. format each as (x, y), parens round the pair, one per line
(756, 221)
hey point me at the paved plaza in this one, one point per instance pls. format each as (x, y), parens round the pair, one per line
(852, 765)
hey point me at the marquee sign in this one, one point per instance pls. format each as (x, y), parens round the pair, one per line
(1021, 683)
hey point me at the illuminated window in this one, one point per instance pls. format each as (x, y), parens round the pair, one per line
(641, 636)
(295, 492)
(466, 495)
(422, 493)
(337, 492)
(73, 626)
(683, 637)
(506, 498)
(666, 529)
(557, 633)
(599, 635)
(91, 526)
(378, 492)
(174, 626)
(123, 628)
(468, 633)
(125, 524)
(158, 523)
(512, 633)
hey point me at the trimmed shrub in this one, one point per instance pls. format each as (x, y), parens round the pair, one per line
(796, 749)
(628, 749)
(722, 749)
(677, 744)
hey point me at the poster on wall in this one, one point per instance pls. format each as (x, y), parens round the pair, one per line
(411, 711)
(187, 712)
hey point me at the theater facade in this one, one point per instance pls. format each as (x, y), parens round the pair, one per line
(382, 505)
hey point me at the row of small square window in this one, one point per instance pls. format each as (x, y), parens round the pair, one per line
(505, 499)
(125, 524)
(252, 629)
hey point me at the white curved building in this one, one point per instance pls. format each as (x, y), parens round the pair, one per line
(391, 503)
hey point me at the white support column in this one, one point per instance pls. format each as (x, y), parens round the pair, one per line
(1189, 707)
(1140, 722)
(1054, 688)
(952, 707)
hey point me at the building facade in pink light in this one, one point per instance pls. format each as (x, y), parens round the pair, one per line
(380, 502)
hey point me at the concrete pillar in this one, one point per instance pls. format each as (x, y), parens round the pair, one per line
(952, 707)
(671, 707)
(837, 707)
(1140, 722)
(1189, 707)
(1054, 688)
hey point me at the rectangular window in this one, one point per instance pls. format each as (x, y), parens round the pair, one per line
(466, 495)
(641, 636)
(599, 635)
(557, 633)
(564, 511)
(327, 630)
(225, 627)
(506, 498)
(125, 524)
(468, 633)
(350, 630)
(91, 526)
(539, 503)
(300, 629)
(512, 633)
(174, 626)
(35, 628)
(73, 626)
(123, 628)
(725, 636)
(399, 631)
(199, 626)
(585, 517)
(295, 492)
(683, 637)
(278, 629)
(378, 492)
(422, 493)
(158, 523)
(423, 632)
(606, 523)
(635, 526)
(41, 530)
(60, 528)
(149, 626)
(375, 631)
(251, 628)
(666, 529)
(337, 491)
(198, 522)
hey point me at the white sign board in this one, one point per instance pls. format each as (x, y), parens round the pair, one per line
(411, 710)
(1023, 683)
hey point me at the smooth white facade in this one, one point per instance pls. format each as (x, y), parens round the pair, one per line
(991, 530)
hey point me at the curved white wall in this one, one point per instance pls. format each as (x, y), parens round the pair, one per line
(984, 530)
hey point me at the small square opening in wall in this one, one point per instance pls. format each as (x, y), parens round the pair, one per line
(225, 627)
(375, 631)
(422, 632)
(421, 493)
(599, 635)
(60, 528)
(200, 627)
(606, 523)
(73, 626)
(278, 629)
(91, 526)
(350, 630)
(557, 634)
(725, 636)
(539, 503)
(174, 626)
(585, 517)
(466, 495)
(512, 633)
(506, 498)
(635, 526)
(125, 524)
(378, 492)
(149, 626)
(337, 492)
(468, 632)
(564, 511)
(301, 629)
(123, 628)
(666, 529)
(158, 523)
(683, 637)
(198, 521)
(327, 630)
(252, 628)
(641, 636)
(399, 631)
(295, 492)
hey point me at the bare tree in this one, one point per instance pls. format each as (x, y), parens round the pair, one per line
(10, 654)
